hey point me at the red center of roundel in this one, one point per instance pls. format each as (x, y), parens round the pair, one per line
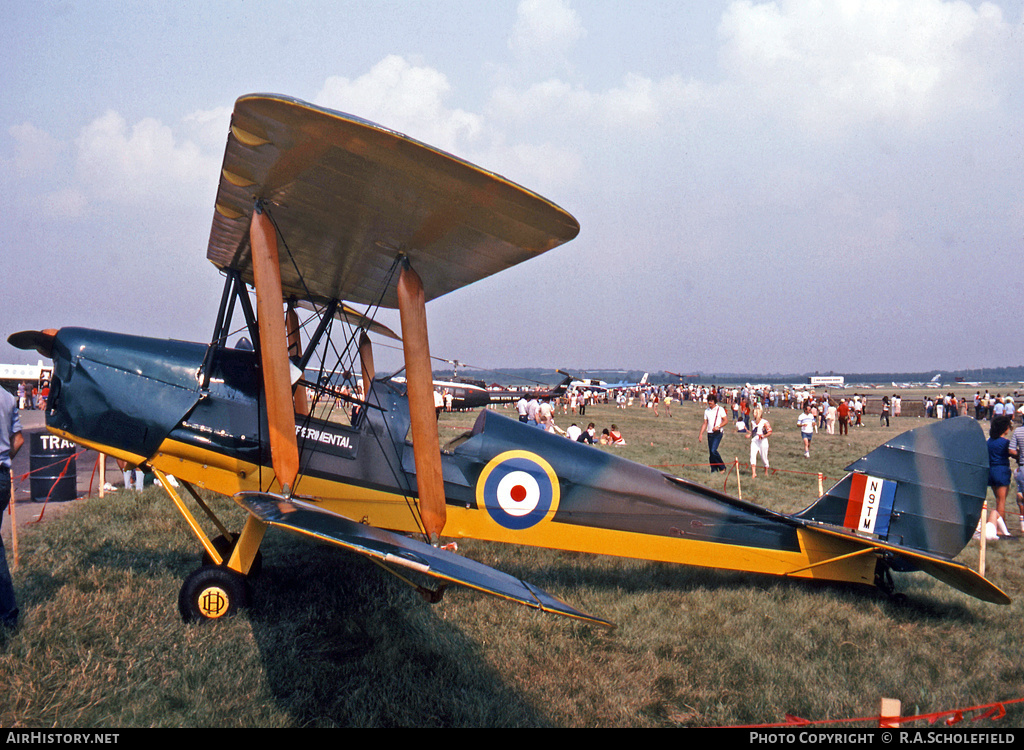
(518, 493)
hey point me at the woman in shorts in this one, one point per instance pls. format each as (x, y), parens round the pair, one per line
(760, 429)
(999, 473)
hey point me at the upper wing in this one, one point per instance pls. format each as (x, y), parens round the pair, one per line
(310, 520)
(348, 196)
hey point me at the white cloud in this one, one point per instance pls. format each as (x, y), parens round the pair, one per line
(547, 163)
(544, 28)
(555, 132)
(636, 104)
(69, 203)
(406, 98)
(552, 100)
(125, 164)
(643, 102)
(209, 127)
(842, 64)
(37, 152)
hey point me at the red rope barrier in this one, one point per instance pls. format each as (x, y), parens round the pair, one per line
(773, 469)
(63, 472)
(27, 474)
(994, 711)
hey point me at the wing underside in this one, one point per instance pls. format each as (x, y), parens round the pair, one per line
(348, 196)
(395, 549)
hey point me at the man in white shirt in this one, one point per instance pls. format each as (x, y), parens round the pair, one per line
(806, 424)
(545, 414)
(714, 421)
(521, 406)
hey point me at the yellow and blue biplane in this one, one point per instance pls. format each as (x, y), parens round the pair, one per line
(317, 211)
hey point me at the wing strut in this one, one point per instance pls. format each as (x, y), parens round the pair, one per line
(284, 450)
(426, 446)
(366, 363)
(299, 401)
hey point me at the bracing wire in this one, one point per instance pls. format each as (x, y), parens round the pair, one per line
(345, 359)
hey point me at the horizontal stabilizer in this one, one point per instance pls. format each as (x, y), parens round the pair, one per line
(390, 548)
(951, 573)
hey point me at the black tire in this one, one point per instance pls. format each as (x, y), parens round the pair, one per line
(212, 593)
(224, 546)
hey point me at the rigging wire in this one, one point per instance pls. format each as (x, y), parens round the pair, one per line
(346, 359)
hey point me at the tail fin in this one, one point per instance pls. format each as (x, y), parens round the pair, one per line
(923, 490)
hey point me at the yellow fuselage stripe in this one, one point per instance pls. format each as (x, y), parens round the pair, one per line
(392, 510)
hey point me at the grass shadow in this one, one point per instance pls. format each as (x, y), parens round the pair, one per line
(330, 639)
(344, 644)
(924, 598)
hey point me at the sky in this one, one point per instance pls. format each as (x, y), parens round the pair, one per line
(761, 186)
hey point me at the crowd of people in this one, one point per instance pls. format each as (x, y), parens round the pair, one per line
(748, 407)
(989, 407)
(540, 413)
(33, 397)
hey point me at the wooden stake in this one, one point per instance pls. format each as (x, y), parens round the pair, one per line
(891, 708)
(983, 533)
(14, 529)
(739, 489)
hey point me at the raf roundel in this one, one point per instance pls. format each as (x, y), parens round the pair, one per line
(518, 489)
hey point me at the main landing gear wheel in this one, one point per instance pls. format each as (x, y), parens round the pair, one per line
(224, 546)
(212, 593)
(884, 581)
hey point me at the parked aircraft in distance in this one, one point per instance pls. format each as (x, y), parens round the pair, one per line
(511, 395)
(601, 385)
(935, 382)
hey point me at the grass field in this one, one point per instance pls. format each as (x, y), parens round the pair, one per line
(333, 641)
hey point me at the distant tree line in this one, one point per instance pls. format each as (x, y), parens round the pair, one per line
(548, 376)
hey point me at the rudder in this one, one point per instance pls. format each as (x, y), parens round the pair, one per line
(922, 490)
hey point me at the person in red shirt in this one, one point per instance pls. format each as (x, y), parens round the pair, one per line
(843, 412)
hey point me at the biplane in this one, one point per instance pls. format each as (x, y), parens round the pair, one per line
(318, 212)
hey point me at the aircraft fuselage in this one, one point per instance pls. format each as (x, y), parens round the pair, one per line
(140, 399)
